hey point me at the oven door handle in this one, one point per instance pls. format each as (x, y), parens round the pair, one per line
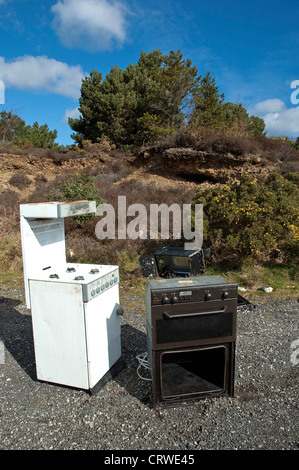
(195, 314)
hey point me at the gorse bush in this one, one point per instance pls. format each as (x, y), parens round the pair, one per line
(254, 220)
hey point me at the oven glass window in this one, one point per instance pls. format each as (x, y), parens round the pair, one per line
(195, 372)
(175, 264)
(194, 328)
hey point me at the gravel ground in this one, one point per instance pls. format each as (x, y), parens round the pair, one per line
(262, 415)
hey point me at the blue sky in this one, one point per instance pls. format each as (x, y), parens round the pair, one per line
(250, 47)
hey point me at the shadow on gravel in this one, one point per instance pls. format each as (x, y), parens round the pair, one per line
(134, 343)
(16, 334)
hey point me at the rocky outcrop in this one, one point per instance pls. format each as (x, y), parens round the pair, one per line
(200, 165)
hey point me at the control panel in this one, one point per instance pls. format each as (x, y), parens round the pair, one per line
(100, 285)
(205, 294)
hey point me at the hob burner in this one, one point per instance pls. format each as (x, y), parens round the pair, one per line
(71, 270)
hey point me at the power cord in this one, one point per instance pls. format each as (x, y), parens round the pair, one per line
(143, 362)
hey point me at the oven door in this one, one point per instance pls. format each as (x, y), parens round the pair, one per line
(193, 373)
(175, 326)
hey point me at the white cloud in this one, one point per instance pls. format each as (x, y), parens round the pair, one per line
(42, 74)
(285, 122)
(279, 120)
(91, 25)
(71, 113)
(270, 106)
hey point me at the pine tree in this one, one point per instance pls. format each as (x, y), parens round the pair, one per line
(9, 123)
(85, 126)
(14, 129)
(139, 104)
(208, 111)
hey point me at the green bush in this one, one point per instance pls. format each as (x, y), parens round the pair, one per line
(252, 220)
(81, 188)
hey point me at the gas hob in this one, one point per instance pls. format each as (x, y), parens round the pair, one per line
(94, 279)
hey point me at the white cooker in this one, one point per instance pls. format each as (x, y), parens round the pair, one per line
(75, 307)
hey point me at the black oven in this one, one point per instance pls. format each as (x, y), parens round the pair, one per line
(191, 335)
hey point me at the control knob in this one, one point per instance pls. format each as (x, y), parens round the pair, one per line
(208, 296)
(165, 299)
(174, 299)
(225, 295)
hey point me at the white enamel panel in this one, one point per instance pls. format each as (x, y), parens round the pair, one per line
(59, 333)
(43, 244)
(100, 364)
(102, 322)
